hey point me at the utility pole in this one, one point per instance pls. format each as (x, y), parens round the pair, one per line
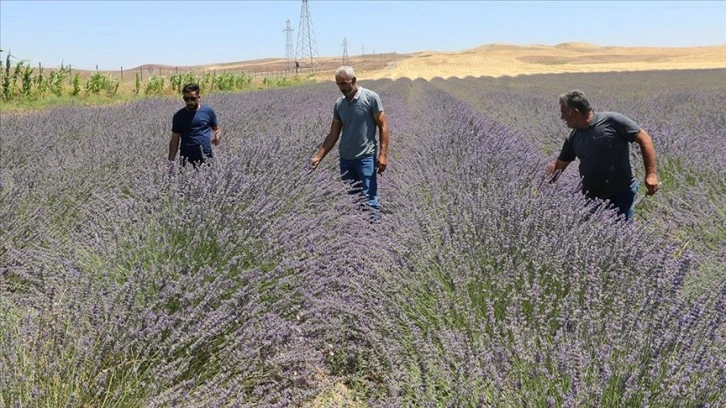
(345, 51)
(307, 49)
(289, 52)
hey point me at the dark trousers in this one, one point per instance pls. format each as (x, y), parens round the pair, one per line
(195, 155)
(624, 203)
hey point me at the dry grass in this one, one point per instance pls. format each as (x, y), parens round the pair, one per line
(493, 60)
(498, 60)
(336, 396)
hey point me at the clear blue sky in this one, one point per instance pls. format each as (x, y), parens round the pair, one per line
(114, 34)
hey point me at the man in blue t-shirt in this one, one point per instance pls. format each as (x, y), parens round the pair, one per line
(194, 129)
(602, 143)
(357, 114)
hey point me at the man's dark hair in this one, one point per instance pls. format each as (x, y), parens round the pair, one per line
(576, 100)
(191, 88)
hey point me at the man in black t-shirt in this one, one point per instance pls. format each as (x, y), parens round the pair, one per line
(602, 143)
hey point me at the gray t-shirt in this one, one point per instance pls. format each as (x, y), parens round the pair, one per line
(358, 137)
(604, 153)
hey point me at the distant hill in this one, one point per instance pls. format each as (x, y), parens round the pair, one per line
(493, 60)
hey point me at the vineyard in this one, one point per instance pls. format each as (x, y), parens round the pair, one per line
(256, 282)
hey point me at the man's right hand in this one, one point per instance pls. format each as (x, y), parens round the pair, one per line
(314, 161)
(550, 170)
(555, 168)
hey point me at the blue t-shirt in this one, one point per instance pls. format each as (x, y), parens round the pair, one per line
(359, 128)
(195, 127)
(604, 152)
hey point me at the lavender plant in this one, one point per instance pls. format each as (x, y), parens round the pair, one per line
(254, 282)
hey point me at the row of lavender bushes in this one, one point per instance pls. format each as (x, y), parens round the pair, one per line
(257, 283)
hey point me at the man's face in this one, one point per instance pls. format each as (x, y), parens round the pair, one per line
(346, 85)
(568, 115)
(191, 100)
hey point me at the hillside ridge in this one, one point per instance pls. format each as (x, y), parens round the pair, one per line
(494, 60)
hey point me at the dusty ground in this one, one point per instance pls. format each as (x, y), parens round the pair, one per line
(498, 60)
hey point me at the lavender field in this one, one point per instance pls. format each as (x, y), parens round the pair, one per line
(255, 283)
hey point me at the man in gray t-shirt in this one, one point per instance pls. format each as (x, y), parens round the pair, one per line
(357, 114)
(602, 143)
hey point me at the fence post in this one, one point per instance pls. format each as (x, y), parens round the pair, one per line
(141, 74)
(122, 74)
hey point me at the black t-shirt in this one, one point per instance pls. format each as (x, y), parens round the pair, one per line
(604, 153)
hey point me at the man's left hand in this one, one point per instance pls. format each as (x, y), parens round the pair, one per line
(216, 137)
(381, 163)
(651, 182)
(171, 166)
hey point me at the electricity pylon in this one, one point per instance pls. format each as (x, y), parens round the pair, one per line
(289, 52)
(307, 49)
(345, 51)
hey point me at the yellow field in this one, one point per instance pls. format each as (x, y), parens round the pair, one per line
(498, 60)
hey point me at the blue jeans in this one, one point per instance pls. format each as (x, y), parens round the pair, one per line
(624, 202)
(361, 173)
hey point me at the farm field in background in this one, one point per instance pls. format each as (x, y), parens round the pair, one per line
(25, 87)
(257, 283)
(28, 86)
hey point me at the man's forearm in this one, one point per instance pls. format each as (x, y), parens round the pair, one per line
(173, 148)
(327, 145)
(384, 140)
(648, 151)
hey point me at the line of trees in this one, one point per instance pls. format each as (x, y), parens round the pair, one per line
(22, 81)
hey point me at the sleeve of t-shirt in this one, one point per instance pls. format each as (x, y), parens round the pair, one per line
(213, 118)
(336, 115)
(376, 104)
(627, 128)
(567, 154)
(175, 126)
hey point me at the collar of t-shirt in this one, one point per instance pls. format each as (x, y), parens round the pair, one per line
(357, 94)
